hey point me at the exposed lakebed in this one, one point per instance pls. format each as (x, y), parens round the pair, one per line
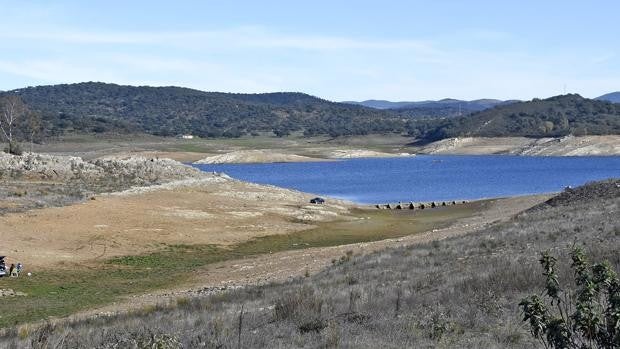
(427, 177)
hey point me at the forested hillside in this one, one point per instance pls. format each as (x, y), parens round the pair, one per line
(552, 117)
(167, 111)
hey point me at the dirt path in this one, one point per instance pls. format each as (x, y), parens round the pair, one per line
(282, 266)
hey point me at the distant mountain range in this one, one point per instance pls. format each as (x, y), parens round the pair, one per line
(613, 97)
(479, 104)
(447, 107)
(380, 104)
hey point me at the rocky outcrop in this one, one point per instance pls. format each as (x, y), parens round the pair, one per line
(132, 170)
(7, 292)
(549, 146)
(572, 146)
(33, 181)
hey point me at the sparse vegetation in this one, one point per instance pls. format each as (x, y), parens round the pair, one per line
(65, 290)
(460, 292)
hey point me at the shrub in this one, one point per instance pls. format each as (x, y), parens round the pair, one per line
(13, 148)
(304, 308)
(588, 317)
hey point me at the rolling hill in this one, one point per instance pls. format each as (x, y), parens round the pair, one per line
(100, 107)
(551, 117)
(108, 108)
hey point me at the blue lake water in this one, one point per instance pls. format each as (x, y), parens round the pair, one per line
(427, 177)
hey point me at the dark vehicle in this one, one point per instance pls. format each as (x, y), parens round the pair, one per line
(2, 267)
(317, 201)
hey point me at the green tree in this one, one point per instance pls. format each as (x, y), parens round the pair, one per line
(588, 317)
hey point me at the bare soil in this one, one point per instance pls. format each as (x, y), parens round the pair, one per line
(211, 211)
(254, 156)
(193, 150)
(282, 266)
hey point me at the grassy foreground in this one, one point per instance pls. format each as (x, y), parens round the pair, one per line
(462, 292)
(71, 288)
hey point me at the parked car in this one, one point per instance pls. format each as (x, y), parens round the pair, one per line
(317, 201)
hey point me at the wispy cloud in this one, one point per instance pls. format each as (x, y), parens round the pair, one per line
(256, 59)
(244, 59)
(146, 70)
(252, 37)
(59, 71)
(403, 50)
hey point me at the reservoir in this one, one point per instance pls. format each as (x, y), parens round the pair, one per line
(428, 177)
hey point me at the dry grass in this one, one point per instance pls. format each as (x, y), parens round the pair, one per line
(71, 287)
(462, 292)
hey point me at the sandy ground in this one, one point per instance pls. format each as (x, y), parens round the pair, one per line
(214, 210)
(254, 156)
(285, 265)
(269, 156)
(90, 147)
(360, 153)
(325, 147)
(564, 146)
(182, 156)
(398, 146)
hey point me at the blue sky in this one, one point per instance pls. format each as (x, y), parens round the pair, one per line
(339, 50)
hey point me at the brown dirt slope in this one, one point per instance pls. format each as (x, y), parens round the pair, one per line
(211, 210)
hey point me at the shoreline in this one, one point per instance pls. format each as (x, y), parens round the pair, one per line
(245, 223)
(324, 148)
(371, 195)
